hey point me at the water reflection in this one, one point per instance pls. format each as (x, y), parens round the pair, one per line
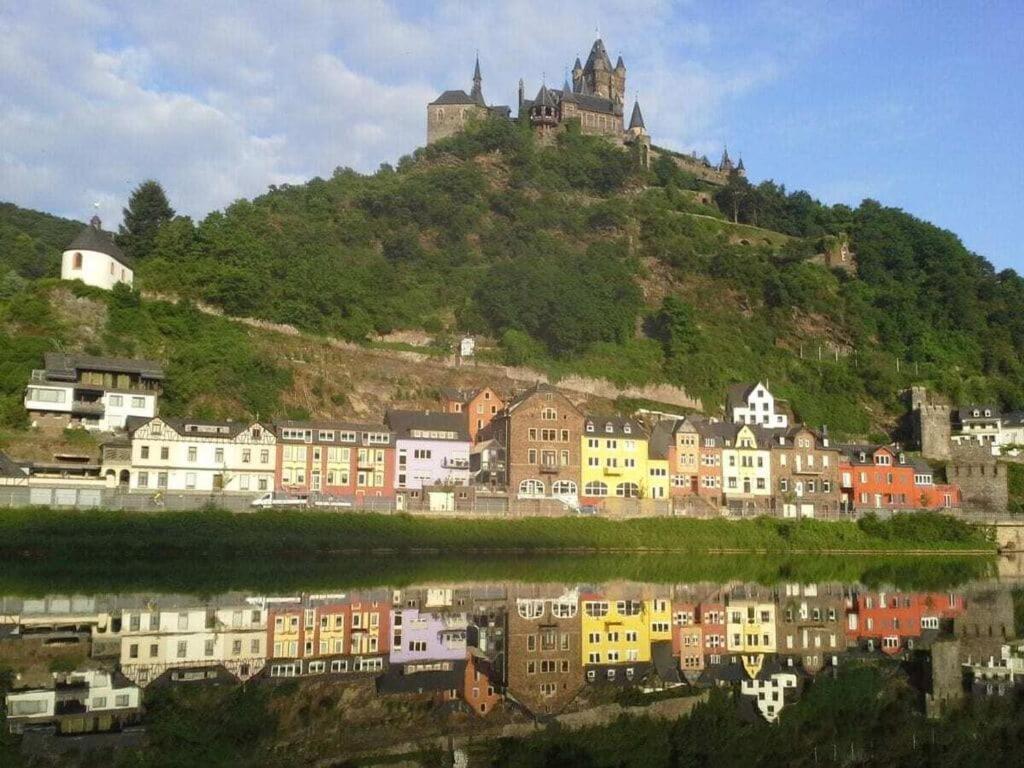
(505, 651)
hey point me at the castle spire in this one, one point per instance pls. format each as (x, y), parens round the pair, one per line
(636, 121)
(477, 94)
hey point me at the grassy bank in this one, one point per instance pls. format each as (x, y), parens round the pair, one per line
(126, 536)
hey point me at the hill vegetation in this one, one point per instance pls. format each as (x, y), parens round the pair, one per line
(577, 260)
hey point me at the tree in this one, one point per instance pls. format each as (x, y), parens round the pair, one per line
(148, 209)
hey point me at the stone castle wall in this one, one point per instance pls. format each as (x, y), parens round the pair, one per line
(444, 120)
(932, 423)
(982, 479)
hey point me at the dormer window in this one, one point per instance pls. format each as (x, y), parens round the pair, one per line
(988, 412)
(976, 412)
(609, 428)
(590, 426)
(903, 459)
(863, 456)
(627, 429)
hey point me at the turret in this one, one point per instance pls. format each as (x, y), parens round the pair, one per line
(522, 94)
(577, 76)
(636, 121)
(726, 164)
(740, 169)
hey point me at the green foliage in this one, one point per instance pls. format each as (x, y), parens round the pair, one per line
(1015, 486)
(147, 211)
(30, 244)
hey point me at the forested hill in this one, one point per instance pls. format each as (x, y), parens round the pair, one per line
(574, 259)
(31, 242)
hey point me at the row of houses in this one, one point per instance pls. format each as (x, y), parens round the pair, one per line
(535, 445)
(482, 647)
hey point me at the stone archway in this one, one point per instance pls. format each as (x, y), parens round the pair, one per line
(124, 478)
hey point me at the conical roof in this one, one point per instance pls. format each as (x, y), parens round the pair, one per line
(620, 64)
(477, 93)
(567, 91)
(637, 119)
(544, 98)
(93, 238)
(739, 165)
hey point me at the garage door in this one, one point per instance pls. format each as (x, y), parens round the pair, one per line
(90, 498)
(40, 496)
(65, 497)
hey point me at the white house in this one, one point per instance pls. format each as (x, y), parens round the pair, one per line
(184, 455)
(94, 258)
(96, 393)
(754, 404)
(157, 641)
(770, 693)
(75, 697)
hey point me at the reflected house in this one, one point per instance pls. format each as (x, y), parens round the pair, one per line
(687, 638)
(985, 625)
(751, 631)
(895, 622)
(543, 667)
(812, 624)
(90, 701)
(193, 643)
(771, 693)
(329, 634)
(421, 635)
(620, 630)
(480, 687)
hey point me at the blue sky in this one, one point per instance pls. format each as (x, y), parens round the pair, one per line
(919, 105)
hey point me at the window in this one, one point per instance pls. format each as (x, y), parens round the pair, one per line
(190, 480)
(218, 455)
(182, 649)
(549, 414)
(165, 453)
(143, 479)
(161, 480)
(116, 401)
(76, 261)
(627, 490)
(563, 488)
(531, 488)
(596, 489)
(138, 402)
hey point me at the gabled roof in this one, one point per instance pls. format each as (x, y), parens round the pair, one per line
(406, 422)
(538, 389)
(93, 238)
(661, 439)
(545, 97)
(736, 395)
(60, 365)
(224, 430)
(453, 97)
(853, 451)
(966, 413)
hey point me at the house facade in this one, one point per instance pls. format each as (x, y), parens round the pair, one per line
(431, 449)
(755, 404)
(616, 461)
(541, 431)
(335, 458)
(747, 468)
(90, 701)
(884, 478)
(94, 258)
(478, 408)
(183, 455)
(427, 636)
(805, 473)
(97, 393)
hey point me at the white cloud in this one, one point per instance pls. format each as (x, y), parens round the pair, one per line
(218, 100)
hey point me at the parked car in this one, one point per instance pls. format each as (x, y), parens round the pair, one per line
(271, 499)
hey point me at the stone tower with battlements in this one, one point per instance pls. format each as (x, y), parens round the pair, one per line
(932, 420)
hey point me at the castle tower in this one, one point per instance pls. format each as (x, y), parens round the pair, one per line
(522, 94)
(726, 164)
(740, 169)
(577, 77)
(600, 79)
(636, 121)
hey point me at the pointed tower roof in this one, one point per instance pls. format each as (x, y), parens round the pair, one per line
(567, 94)
(598, 55)
(577, 65)
(620, 64)
(739, 165)
(726, 162)
(477, 94)
(544, 98)
(637, 119)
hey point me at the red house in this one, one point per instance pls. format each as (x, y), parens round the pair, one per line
(340, 459)
(892, 621)
(880, 477)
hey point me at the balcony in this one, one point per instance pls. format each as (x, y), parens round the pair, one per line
(87, 407)
(549, 468)
(613, 471)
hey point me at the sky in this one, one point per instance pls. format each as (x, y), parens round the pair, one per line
(919, 105)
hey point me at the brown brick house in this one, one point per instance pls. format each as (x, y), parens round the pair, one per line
(541, 431)
(544, 659)
(805, 472)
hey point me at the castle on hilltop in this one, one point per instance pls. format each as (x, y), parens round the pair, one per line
(595, 101)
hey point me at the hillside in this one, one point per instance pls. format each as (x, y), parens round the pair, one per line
(575, 260)
(30, 244)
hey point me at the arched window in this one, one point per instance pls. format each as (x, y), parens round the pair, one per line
(563, 608)
(563, 488)
(530, 609)
(531, 488)
(627, 490)
(596, 488)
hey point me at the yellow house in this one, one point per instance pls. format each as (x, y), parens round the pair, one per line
(750, 631)
(615, 631)
(615, 461)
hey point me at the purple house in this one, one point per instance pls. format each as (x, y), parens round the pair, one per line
(431, 449)
(425, 636)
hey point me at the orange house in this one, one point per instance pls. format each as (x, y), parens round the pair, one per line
(880, 477)
(478, 406)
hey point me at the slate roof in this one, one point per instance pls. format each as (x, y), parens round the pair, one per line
(666, 665)
(65, 366)
(853, 451)
(404, 422)
(736, 395)
(537, 389)
(335, 426)
(598, 54)
(586, 101)
(661, 439)
(93, 238)
(636, 120)
(618, 426)
(453, 97)
(8, 468)
(395, 680)
(967, 413)
(1013, 419)
(920, 466)
(224, 430)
